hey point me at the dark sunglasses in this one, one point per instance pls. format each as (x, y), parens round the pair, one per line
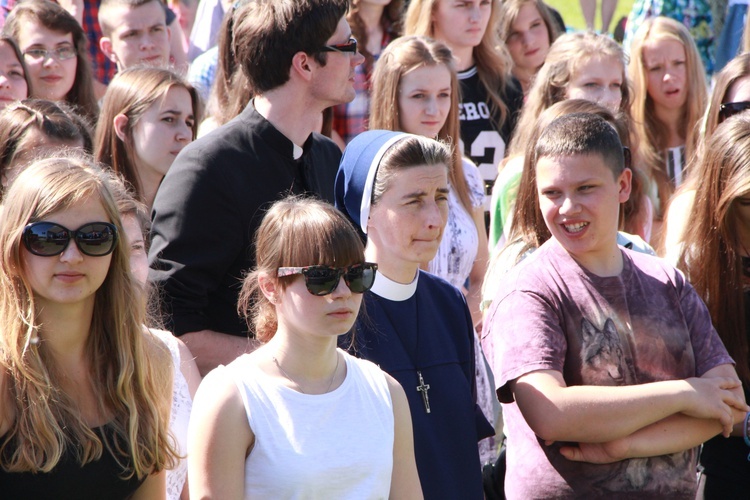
(48, 239)
(732, 108)
(322, 280)
(350, 46)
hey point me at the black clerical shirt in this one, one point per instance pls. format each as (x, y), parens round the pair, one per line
(208, 208)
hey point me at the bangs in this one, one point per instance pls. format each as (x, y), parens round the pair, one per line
(54, 198)
(316, 238)
(53, 184)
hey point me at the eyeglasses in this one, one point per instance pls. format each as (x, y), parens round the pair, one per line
(350, 46)
(322, 280)
(732, 108)
(61, 53)
(48, 239)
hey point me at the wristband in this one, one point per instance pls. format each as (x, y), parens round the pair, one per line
(744, 432)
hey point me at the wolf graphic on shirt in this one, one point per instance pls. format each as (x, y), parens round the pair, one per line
(637, 474)
(604, 363)
(602, 357)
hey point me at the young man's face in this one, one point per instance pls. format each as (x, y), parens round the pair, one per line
(334, 82)
(140, 36)
(580, 200)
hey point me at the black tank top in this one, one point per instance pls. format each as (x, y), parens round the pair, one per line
(100, 479)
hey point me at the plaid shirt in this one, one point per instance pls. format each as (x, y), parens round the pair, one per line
(351, 118)
(103, 69)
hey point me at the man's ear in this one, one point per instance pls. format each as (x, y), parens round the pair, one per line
(105, 44)
(626, 184)
(303, 65)
(121, 126)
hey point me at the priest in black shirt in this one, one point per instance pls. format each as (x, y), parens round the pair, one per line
(299, 58)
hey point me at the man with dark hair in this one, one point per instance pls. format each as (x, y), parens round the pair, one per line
(299, 57)
(134, 32)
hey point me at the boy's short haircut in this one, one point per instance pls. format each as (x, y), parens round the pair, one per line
(582, 134)
(108, 25)
(267, 34)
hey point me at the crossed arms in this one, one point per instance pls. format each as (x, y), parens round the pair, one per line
(615, 423)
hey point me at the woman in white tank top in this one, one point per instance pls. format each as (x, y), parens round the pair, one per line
(299, 418)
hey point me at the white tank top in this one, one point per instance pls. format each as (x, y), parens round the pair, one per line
(335, 445)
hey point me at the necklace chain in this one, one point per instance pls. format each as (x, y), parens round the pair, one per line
(330, 384)
(422, 388)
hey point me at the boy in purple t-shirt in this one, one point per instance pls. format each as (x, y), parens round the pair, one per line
(609, 369)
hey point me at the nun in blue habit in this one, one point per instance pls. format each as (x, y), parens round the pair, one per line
(417, 327)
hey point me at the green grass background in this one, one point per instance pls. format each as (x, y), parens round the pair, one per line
(573, 17)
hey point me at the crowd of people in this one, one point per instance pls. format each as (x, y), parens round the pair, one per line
(372, 248)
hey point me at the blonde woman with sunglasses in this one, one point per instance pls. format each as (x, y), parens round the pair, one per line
(84, 387)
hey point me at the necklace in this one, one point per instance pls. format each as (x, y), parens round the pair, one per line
(328, 389)
(412, 351)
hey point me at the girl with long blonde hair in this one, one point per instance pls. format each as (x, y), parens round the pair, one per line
(578, 66)
(669, 98)
(415, 90)
(575, 62)
(490, 97)
(85, 387)
(730, 96)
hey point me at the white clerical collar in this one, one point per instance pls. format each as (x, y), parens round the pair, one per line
(391, 290)
(297, 151)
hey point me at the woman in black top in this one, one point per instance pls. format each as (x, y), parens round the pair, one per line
(85, 388)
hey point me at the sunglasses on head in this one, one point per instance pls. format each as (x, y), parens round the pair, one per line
(322, 280)
(349, 46)
(48, 239)
(732, 108)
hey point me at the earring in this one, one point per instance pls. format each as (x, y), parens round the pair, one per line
(31, 340)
